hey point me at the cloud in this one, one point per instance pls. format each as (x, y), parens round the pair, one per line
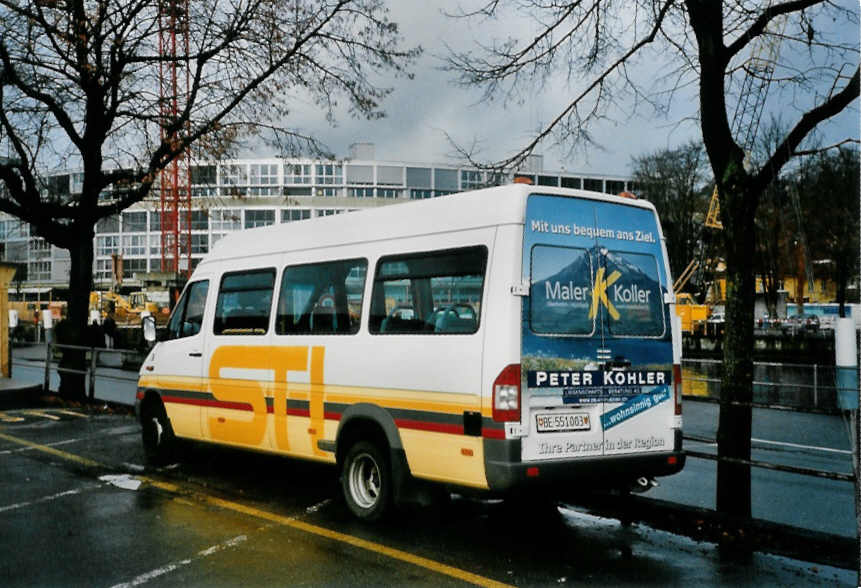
(422, 111)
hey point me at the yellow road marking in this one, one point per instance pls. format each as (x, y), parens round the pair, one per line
(7, 418)
(50, 450)
(39, 413)
(69, 412)
(391, 552)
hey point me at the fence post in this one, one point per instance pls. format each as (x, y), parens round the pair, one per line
(846, 368)
(46, 386)
(815, 386)
(94, 354)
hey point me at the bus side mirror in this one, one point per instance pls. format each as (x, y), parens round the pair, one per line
(148, 326)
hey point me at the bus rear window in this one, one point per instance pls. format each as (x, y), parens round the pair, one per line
(583, 292)
(634, 304)
(561, 293)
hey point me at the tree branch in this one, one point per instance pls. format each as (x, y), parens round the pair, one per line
(597, 85)
(836, 103)
(837, 145)
(761, 23)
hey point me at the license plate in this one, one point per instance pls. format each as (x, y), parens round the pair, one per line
(556, 422)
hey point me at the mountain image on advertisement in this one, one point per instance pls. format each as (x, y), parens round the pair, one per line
(561, 303)
(637, 297)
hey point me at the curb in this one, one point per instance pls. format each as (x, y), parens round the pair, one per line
(18, 394)
(735, 536)
(33, 397)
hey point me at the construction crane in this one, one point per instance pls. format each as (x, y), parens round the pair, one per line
(175, 180)
(713, 216)
(802, 254)
(682, 279)
(759, 72)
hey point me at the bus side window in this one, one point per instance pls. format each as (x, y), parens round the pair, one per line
(429, 292)
(244, 302)
(187, 317)
(321, 298)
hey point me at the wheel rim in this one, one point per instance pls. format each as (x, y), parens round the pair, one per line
(365, 480)
(153, 432)
(157, 431)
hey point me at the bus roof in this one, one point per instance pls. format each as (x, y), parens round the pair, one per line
(488, 207)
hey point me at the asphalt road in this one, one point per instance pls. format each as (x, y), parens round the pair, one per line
(78, 508)
(806, 440)
(790, 438)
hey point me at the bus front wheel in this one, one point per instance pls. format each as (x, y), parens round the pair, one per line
(157, 434)
(366, 480)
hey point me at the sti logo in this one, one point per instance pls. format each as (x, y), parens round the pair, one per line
(599, 293)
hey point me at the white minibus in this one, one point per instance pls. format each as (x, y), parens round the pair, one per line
(501, 340)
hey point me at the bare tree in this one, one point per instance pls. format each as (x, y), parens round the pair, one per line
(828, 192)
(675, 181)
(774, 218)
(772, 261)
(79, 88)
(620, 56)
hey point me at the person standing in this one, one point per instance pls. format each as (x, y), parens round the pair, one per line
(109, 327)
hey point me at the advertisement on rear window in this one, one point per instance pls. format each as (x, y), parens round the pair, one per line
(573, 290)
(595, 327)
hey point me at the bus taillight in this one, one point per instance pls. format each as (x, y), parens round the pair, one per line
(506, 394)
(677, 387)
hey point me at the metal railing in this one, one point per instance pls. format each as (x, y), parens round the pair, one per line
(801, 387)
(810, 379)
(764, 464)
(94, 354)
(92, 358)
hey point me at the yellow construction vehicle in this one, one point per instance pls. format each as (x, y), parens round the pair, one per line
(126, 310)
(693, 315)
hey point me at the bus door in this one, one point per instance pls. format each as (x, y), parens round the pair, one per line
(180, 362)
(562, 331)
(635, 356)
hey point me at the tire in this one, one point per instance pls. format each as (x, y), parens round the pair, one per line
(366, 481)
(159, 441)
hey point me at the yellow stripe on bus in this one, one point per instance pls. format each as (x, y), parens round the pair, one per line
(423, 400)
(191, 383)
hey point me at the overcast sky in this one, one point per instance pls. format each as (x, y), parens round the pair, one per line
(421, 111)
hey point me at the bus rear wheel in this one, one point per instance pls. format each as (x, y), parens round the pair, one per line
(366, 481)
(157, 434)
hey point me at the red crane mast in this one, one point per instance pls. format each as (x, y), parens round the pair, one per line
(175, 180)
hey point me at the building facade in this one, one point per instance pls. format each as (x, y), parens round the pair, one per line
(239, 194)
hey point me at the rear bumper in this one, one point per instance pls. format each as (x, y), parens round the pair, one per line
(506, 473)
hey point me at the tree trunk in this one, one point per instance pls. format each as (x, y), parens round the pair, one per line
(72, 385)
(734, 426)
(842, 286)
